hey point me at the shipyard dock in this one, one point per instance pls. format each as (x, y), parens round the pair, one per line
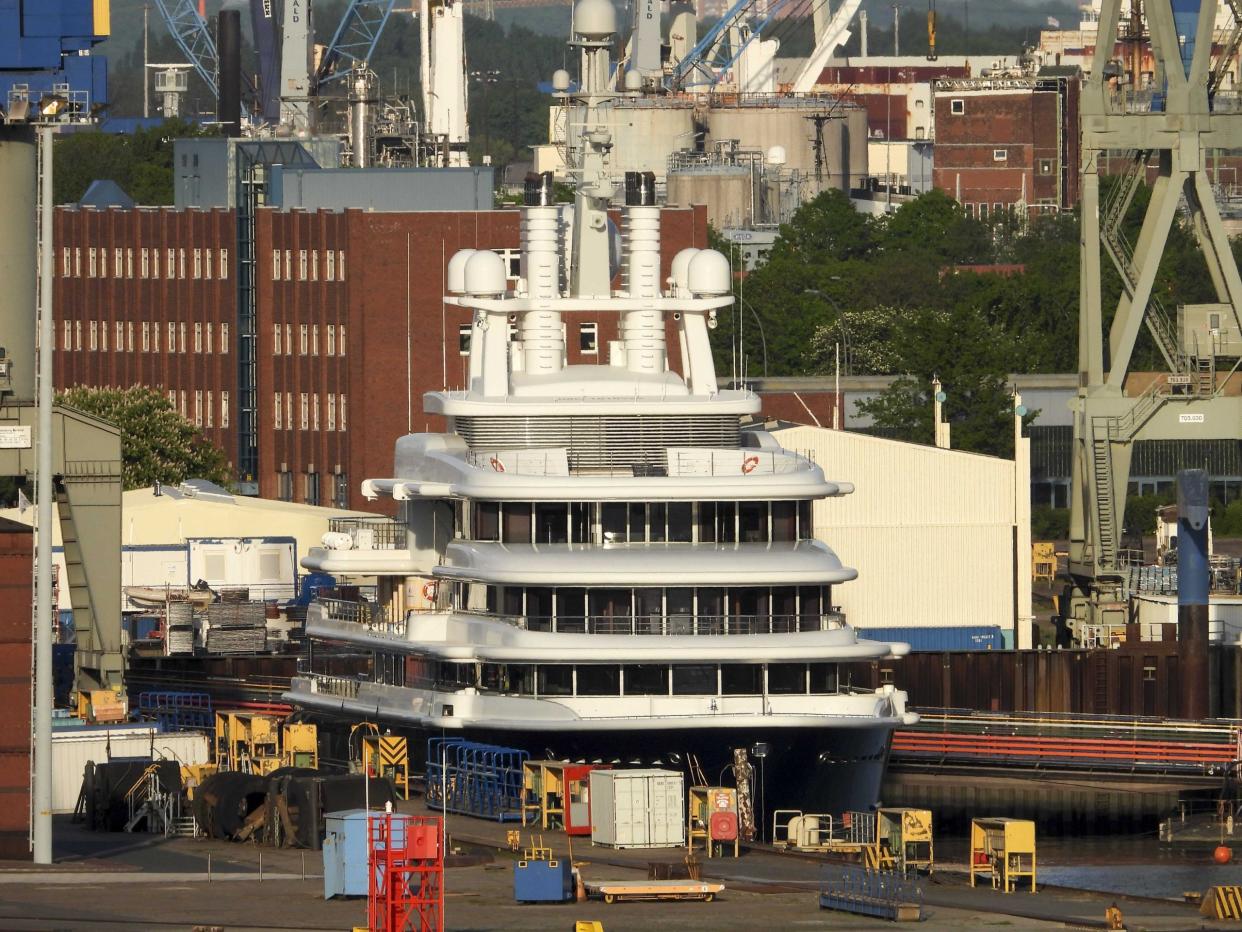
(105, 881)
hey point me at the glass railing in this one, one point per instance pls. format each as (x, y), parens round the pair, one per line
(676, 625)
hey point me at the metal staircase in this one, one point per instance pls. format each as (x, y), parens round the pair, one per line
(151, 802)
(75, 571)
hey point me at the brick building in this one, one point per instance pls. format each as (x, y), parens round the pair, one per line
(1008, 141)
(350, 330)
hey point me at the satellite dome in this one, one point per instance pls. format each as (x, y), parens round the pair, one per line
(560, 80)
(595, 19)
(776, 155)
(633, 81)
(485, 274)
(681, 265)
(709, 273)
(455, 274)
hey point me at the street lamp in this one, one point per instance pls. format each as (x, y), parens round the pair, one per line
(841, 325)
(486, 79)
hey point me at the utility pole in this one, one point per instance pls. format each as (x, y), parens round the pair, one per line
(41, 818)
(146, 75)
(896, 32)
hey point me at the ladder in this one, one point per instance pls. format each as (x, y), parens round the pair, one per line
(1102, 482)
(1205, 376)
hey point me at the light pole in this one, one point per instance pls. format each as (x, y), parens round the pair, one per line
(486, 79)
(841, 325)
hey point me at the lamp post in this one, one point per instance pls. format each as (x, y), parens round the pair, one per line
(486, 79)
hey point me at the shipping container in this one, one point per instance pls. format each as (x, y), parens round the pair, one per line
(920, 638)
(73, 746)
(638, 808)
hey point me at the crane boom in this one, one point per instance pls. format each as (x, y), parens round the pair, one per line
(189, 31)
(354, 42)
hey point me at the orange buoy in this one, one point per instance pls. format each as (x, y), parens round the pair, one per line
(1223, 854)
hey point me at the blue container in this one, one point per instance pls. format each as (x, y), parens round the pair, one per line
(543, 881)
(966, 637)
(345, 854)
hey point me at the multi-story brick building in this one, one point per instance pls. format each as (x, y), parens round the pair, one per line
(1007, 142)
(350, 327)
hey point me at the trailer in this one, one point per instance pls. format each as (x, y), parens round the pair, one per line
(616, 891)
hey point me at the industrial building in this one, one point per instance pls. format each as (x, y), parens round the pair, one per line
(932, 532)
(347, 314)
(16, 664)
(1008, 144)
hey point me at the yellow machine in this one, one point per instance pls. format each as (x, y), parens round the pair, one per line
(1004, 850)
(102, 705)
(1044, 561)
(252, 743)
(384, 756)
(903, 841)
(711, 820)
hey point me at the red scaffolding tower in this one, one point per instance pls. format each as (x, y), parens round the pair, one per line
(406, 857)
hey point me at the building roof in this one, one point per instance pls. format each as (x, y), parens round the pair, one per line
(105, 193)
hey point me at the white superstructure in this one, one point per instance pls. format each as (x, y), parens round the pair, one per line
(596, 559)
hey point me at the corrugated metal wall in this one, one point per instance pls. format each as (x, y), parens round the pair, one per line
(15, 601)
(930, 531)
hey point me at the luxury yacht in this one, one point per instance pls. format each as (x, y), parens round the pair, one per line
(597, 562)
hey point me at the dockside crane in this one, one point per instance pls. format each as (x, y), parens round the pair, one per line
(1176, 123)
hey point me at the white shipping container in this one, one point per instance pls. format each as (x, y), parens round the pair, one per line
(73, 747)
(638, 808)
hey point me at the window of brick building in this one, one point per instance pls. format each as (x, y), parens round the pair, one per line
(120, 336)
(210, 341)
(198, 409)
(181, 263)
(957, 106)
(342, 407)
(1000, 155)
(314, 253)
(331, 411)
(315, 340)
(198, 338)
(129, 334)
(340, 265)
(155, 338)
(211, 419)
(77, 335)
(288, 265)
(288, 410)
(303, 338)
(146, 337)
(288, 339)
(301, 265)
(94, 344)
(331, 350)
(129, 262)
(181, 399)
(305, 419)
(118, 262)
(66, 261)
(224, 263)
(341, 346)
(284, 485)
(329, 258)
(315, 411)
(276, 407)
(93, 265)
(312, 488)
(170, 263)
(588, 338)
(207, 263)
(184, 329)
(224, 338)
(1045, 166)
(275, 339)
(198, 263)
(77, 261)
(342, 490)
(68, 343)
(275, 265)
(224, 409)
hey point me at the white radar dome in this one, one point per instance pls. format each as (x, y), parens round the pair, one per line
(709, 273)
(455, 274)
(681, 265)
(776, 155)
(633, 81)
(595, 19)
(485, 274)
(560, 80)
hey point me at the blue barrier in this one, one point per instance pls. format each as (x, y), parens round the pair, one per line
(471, 778)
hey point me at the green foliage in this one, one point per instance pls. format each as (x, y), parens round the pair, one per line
(141, 163)
(157, 443)
(1227, 519)
(1140, 516)
(1048, 523)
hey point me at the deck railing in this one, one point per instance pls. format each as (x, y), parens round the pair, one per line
(371, 533)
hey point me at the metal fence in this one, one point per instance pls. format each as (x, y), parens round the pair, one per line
(371, 533)
(673, 625)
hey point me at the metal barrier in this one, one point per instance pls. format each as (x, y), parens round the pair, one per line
(371, 533)
(174, 710)
(881, 894)
(676, 625)
(483, 780)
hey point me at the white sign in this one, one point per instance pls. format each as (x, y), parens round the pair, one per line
(15, 438)
(1191, 418)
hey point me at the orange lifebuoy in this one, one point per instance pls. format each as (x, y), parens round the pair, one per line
(749, 464)
(497, 464)
(429, 591)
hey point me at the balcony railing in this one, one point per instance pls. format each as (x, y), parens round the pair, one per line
(344, 687)
(673, 461)
(371, 533)
(369, 614)
(673, 625)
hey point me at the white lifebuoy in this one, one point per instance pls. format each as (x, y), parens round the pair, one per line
(497, 464)
(749, 464)
(430, 590)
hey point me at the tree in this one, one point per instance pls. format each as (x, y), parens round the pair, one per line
(157, 443)
(141, 162)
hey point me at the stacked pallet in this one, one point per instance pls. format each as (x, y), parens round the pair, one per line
(179, 636)
(235, 628)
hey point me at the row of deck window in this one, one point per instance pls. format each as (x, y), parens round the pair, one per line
(699, 679)
(634, 522)
(673, 610)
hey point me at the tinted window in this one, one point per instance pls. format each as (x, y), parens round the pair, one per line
(657, 517)
(784, 521)
(694, 680)
(680, 522)
(753, 522)
(486, 520)
(612, 521)
(741, 679)
(646, 680)
(551, 523)
(556, 681)
(823, 677)
(516, 523)
(786, 678)
(599, 680)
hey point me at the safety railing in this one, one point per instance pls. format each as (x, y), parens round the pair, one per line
(675, 625)
(360, 613)
(371, 533)
(340, 686)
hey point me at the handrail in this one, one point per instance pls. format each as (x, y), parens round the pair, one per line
(666, 625)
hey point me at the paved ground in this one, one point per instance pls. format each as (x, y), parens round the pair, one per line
(134, 882)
